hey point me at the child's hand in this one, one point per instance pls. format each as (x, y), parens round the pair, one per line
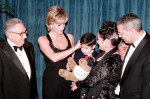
(67, 67)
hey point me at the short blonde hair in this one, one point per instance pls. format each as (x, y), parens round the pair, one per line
(10, 23)
(55, 14)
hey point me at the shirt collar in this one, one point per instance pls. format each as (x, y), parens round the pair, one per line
(10, 43)
(136, 43)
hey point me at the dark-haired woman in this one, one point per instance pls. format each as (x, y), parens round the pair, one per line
(105, 76)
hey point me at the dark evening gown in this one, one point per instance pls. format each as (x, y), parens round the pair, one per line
(54, 86)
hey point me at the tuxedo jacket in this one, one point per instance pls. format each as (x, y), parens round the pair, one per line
(14, 81)
(135, 82)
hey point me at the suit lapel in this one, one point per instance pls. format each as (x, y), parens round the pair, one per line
(28, 53)
(133, 58)
(13, 57)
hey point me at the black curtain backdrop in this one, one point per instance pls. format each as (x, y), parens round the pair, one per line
(84, 16)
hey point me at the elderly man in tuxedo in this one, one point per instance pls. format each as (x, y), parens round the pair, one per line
(17, 65)
(135, 77)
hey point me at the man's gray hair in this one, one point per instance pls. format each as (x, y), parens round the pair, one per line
(10, 23)
(130, 21)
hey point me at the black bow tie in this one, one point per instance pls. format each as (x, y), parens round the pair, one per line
(16, 47)
(133, 45)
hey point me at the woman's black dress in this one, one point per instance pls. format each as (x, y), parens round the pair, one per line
(54, 86)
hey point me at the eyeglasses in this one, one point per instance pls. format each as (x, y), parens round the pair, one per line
(127, 31)
(22, 33)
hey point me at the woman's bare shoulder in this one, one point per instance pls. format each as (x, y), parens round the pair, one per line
(70, 36)
(42, 39)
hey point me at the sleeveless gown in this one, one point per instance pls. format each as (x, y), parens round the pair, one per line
(54, 86)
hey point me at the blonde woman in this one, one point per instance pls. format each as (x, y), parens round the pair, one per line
(56, 46)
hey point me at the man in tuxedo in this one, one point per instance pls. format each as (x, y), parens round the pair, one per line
(17, 64)
(135, 77)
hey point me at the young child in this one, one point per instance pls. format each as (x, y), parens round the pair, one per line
(88, 41)
(80, 72)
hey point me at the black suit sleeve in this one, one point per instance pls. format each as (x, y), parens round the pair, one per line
(1, 78)
(146, 79)
(33, 71)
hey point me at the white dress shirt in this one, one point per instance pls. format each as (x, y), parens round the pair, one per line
(22, 57)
